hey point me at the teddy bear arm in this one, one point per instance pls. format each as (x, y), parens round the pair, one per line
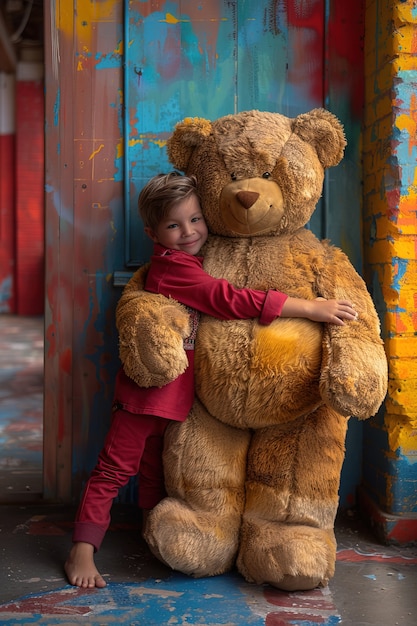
(151, 331)
(354, 373)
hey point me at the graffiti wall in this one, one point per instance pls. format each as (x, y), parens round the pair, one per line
(390, 227)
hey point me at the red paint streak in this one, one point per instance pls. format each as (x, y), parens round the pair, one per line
(353, 556)
(275, 619)
(342, 44)
(307, 18)
(393, 199)
(65, 361)
(311, 599)
(345, 45)
(49, 604)
(400, 325)
(403, 531)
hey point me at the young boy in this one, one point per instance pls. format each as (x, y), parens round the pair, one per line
(171, 212)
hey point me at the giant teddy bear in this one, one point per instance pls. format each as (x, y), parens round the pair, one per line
(252, 475)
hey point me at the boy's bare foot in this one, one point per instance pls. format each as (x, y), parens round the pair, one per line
(80, 567)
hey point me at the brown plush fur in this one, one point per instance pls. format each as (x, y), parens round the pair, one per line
(253, 474)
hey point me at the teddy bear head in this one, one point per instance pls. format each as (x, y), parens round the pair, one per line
(259, 173)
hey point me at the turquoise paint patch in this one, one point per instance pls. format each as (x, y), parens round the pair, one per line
(402, 265)
(219, 601)
(118, 169)
(57, 105)
(406, 149)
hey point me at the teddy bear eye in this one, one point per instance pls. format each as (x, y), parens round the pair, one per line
(266, 175)
(233, 176)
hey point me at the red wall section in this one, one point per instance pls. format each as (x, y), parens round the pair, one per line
(7, 224)
(30, 282)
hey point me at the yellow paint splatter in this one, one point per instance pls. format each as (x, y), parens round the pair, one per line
(93, 154)
(85, 15)
(402, 435)
(119, 149)
(157, 142)
(170, 19)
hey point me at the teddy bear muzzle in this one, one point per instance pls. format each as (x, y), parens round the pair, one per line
(251, 206)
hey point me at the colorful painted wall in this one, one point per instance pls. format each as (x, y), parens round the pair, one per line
(119, 76)
(139, 68)
(390, 229)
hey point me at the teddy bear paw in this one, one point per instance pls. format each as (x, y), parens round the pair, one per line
(194, 543)
(290, 557)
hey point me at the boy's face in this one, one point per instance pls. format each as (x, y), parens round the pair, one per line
(183, 229)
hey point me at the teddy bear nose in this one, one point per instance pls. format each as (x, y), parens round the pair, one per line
(247, 198)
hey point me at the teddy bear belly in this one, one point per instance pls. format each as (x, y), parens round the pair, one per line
(272, 372)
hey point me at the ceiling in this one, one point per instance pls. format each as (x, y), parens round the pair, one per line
(21, 28)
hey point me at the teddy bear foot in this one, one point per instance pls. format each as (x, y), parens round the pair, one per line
(289, 557)
(194, 543)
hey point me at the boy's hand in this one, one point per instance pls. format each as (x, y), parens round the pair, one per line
(333, 311)
(320, 310)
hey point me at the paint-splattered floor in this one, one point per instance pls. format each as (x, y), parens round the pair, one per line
(21, 406)
(374, 584)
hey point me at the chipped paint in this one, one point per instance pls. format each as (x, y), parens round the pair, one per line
(178, 600)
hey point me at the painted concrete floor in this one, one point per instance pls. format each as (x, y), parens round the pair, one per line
(21, 406)
(374, 584)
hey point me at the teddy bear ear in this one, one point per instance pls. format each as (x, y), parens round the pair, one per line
(322, 130)
(187, 135)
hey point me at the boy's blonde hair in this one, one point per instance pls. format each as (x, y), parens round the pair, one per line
(161, 193)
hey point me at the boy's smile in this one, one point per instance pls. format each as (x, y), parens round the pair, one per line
(184, 228)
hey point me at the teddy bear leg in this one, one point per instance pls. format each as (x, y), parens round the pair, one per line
(195, 529)
(287, 537)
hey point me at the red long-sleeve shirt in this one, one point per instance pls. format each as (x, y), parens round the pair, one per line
(181, 276)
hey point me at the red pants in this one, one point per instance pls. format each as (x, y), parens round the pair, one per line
(133, 446)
